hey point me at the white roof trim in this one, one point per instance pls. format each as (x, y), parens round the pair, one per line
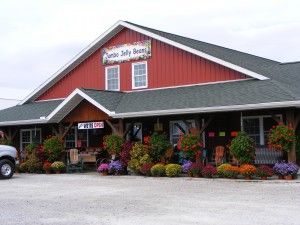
(209, 109)
(84, 96)
(150, 34)
(23, 122)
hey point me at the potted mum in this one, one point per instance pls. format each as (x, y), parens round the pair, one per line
(209, 171)
(103, 169)
(47, 167)
(115, 167)
(195, 170)
(58, 167)
(248, 171)
(264, 172)
(113, 144)
(286, 170)
(186, 166)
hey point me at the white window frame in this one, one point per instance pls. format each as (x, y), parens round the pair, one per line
(106, 74)
(261, 125)
(132, 74)
(31, 130)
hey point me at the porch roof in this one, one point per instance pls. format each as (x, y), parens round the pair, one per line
(230, 96)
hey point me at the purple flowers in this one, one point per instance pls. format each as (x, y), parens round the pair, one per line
(115, 166)
(285, 169)
(186, 166)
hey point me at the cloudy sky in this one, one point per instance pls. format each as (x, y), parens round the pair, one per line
(38, 37)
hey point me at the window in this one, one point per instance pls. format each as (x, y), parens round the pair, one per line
(77, 138)
(29, 136)
(70, 140)
(112, 78)
(139, 75)
(179, 127)
(257, 127)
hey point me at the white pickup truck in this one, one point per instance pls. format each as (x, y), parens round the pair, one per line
(8, 155)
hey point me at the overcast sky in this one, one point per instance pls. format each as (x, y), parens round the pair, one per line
(38, 37)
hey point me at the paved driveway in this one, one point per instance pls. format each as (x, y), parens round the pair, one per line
(92, 199)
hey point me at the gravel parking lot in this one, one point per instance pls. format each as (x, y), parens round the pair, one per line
(92, 199)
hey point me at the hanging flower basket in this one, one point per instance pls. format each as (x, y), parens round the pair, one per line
(281, 138)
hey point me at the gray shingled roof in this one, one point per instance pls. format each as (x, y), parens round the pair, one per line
(283, 85)
(108, 99)
(28, 111)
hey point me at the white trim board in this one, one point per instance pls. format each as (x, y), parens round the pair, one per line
(114, 30)
(229, 108)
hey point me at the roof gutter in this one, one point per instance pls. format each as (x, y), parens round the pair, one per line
(23, 122)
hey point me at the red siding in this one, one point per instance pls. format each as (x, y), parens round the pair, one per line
(168, 66)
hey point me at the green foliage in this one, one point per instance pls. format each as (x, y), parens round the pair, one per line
(173, 170)
(23, 167)
(158, 170)
(243, 148)
(58, 166)
(30, 148)
(53, 148)
(113, 144)
(139, 156)
(159, 144)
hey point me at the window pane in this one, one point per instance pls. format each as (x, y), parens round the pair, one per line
(112, 77)
(139, 75)
(251, 127)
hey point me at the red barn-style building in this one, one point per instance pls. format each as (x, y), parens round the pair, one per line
(134, 81)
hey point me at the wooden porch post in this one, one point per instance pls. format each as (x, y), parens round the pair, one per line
(293, 121)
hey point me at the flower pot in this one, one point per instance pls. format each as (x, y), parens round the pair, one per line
(104, 173)
(288, 177)
(264, 178)
(280, 177)
(248, 178)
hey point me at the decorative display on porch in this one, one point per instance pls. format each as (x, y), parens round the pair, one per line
(211, 134)
(189, 144)
(234, 133)
(281, 138)
(222, 134)
(242, 148)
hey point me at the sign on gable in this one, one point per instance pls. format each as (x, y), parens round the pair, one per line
(126, 52)
(90, 125)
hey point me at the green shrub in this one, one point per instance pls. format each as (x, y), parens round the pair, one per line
(58, 166)
(53, 148)
(158, 144)
(113, 144)
(30, 148)
(173, 170)
(243, 148)
(139, 156)
(158, 170)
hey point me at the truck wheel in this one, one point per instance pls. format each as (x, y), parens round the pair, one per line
(7, 169)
